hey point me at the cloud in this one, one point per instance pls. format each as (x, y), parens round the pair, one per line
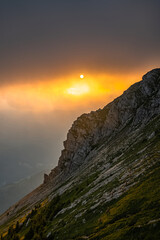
(48, 39)
(44, 46)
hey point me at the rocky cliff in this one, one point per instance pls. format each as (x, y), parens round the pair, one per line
(136, 106)
(106, 184)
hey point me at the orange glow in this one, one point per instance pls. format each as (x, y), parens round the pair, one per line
(78, 89)
(66, 93)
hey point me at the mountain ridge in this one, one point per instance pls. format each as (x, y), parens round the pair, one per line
(106, 116)
(107, 152)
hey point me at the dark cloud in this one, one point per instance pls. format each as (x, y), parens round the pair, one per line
(46, 38)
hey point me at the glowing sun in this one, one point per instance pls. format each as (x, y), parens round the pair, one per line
(81, 76)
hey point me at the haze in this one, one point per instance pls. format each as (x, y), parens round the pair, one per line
(44, 48)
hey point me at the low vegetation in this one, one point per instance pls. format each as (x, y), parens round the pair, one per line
(135, 215)
(82, 212)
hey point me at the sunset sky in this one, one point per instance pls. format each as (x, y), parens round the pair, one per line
(45, 46)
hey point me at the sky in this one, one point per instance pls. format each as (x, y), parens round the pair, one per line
(44, 48)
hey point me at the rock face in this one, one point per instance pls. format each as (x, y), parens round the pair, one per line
(136, 107)
(106, 152)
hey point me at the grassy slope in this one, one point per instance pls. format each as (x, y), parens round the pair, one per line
(131, 217)
(135, 215)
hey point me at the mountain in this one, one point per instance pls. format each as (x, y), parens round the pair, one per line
(106, 184)
(11, 193)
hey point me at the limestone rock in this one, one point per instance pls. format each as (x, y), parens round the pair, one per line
(136, 106)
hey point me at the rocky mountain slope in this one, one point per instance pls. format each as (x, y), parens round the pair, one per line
(106, 184)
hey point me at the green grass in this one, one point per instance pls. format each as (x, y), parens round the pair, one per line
(125, 218)
(128, 217)
(132, 212)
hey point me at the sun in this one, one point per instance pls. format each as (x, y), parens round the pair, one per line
(81, 76)
(78, 89)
